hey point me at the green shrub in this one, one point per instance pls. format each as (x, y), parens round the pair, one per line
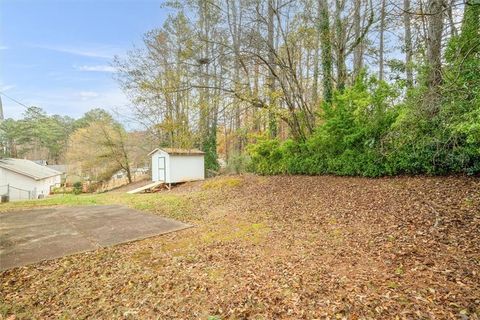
(265, 156)
(238, 163)
(77, 187)
(349, 142)
(210, 149)
(366, 131)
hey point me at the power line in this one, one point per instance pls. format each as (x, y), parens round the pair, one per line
(35, 111)
(1, 109)
(14, 100)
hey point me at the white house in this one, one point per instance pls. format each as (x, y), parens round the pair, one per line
(22, 179)
(177, 165)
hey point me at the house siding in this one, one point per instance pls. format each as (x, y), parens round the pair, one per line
(31, 187)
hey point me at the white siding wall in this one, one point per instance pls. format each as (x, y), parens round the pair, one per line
(186, 168)
(26, 183)
(44, 185)
(178, 168)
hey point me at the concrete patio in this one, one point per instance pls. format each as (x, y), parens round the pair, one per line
(31, 236)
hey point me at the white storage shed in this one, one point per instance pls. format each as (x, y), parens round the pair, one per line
(173, 165)
(22, 179)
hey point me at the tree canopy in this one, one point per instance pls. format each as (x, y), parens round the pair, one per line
(368, 87)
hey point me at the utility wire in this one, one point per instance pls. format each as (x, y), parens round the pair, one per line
(14, 100)
(21, 104)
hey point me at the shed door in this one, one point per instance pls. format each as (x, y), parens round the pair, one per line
(162, 174)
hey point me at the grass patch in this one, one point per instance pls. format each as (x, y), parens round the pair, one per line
(254, 233)
(8, 309)
(173, 206)
(55, 200)
(227, 182)
(246, 233)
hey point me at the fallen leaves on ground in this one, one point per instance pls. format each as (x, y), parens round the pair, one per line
(285, 247)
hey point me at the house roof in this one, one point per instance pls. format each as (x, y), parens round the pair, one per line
(186, 152)
(28, 168)
(41, 162)
(58, 167)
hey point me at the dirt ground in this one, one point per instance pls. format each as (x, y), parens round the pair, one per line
(285, 247)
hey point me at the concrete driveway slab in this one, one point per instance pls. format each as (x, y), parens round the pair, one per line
(31, 236)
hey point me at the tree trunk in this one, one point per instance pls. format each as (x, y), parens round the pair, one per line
(358, 50)
(316, 67)
(272, 121)
(234, 25)
(340, 46)
(408, 42)
(326, 43)
(129, 175)
(316, 57)
(434, 51)
(382, 44)
(453, 29)
(203, 91)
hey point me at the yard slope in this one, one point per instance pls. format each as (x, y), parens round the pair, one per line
(291, 247)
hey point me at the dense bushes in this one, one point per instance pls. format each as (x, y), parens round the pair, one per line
(367, 131)
(350, 141)
(373, 128)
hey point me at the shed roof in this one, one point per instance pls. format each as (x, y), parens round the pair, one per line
(28, 168)
(177, 151)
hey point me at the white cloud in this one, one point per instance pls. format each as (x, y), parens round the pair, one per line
(6, 87)
(101, 51)
(76, 103)
(86, 95)
(67, 102)
(95, 68)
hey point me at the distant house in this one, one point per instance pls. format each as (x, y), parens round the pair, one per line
(62, 168)
(58, 167)
(41, 162)
(22, 179)
(172, 165)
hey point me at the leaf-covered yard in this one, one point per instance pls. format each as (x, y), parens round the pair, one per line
(273, 247)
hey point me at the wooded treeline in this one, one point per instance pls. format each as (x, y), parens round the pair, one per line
(37, 135)
(94, 146)
(357, 87)
(367, 87)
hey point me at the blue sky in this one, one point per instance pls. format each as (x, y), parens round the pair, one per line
(57, 54)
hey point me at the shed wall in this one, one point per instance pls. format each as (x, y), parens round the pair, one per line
(186, 168)
(178, 168)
